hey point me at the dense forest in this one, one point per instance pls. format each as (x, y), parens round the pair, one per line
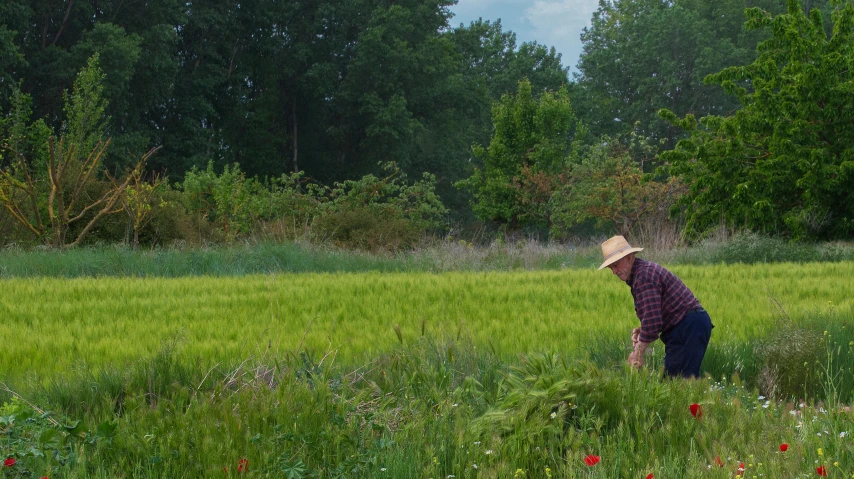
(683, 114)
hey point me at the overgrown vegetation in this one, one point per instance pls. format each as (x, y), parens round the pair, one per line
(426, 408)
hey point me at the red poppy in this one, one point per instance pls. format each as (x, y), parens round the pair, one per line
(9, 462)
(740, 467)
(592, 460)
(821, 471)
(719, 461)
(243, 465)
(696, 410)
(784, 447)
(650, 476)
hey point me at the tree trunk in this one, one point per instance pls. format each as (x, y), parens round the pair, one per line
(295, 132)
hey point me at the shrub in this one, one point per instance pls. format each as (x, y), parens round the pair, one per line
(381, 213)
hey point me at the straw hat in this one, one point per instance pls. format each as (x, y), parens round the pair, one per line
(615, 248)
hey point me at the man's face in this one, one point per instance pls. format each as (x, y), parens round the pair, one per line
(622, 268)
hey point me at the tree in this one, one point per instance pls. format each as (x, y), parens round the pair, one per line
(607, 184)
(140, 201)
(643, 55)
(67, 191)
(532, 138)
(784, 162)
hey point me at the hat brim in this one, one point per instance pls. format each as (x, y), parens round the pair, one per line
(617, 257)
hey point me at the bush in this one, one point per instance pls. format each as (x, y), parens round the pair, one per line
(381, 213)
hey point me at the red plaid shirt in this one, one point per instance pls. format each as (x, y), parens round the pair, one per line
(661, 299)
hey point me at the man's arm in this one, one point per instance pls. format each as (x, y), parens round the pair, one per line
(636, 356)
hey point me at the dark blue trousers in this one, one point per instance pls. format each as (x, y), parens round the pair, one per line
(685, 344)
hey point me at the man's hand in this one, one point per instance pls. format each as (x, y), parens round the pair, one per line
(639, 348)
(635, 360)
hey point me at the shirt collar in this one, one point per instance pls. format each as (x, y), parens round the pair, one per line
(635, 267)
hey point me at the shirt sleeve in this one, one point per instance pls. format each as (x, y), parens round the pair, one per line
(648, 308)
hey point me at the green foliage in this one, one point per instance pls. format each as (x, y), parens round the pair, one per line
(85, 108)
(531, 141)
(607, 184)
(229, 200)
(782, 163)
(385, 213)
(642, 55)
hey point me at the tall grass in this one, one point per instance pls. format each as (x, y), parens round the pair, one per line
(427, 409)
(52, 324)
(438, 256)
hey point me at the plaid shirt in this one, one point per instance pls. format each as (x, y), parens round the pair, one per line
(661, 299)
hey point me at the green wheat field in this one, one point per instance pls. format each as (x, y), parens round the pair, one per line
(422, 375)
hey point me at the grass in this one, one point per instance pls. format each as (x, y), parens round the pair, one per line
(431, 409)
(437, 257)
(52, 324)
(484, 373)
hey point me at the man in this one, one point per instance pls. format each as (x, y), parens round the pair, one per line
(666, 309)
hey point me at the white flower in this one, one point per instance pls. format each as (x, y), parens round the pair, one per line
(382, 469)
(454, 405)
(474, 465)
(553, 415)
(761, 397)
(843, 434)
(477, 443)
(489, 451)
(450, 476)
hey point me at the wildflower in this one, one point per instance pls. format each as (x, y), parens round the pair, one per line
(592, 460)
(474, 465)
(382, 469)
(553, 415)
(548, 473)
(243, 465)
(9, 462)
(650, 476)
(519, 473)
(488, 452)
(696, 410)
(820, 452)
(836, 464)
(740, 467)
(843, 434)
(784, 447)
(450, 476)
(821, 471)
(718, 461)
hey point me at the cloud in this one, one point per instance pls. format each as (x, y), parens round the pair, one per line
(556, 23)
(559, 23)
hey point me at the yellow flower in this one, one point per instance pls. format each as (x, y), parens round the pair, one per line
(820, 453)
(519, 473)
(548, 473)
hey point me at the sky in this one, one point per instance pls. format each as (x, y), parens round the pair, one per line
(554, 23)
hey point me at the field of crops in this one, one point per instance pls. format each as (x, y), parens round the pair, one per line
(51, 324)
(459, 374)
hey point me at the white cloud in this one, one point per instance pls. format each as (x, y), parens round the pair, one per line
(556, 23)
(559, 23)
